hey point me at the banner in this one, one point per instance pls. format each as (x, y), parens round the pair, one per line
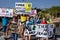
(46, 30)
(6, 12)
(33, 13)
(40, 30)
(23, 8)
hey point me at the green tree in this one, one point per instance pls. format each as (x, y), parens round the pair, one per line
(55, 10)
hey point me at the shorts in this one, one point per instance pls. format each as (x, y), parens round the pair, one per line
(4, 28)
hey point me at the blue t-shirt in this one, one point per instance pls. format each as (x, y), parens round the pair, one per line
(4, 21)
(32, 22)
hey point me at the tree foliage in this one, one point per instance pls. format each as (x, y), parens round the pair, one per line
(55, 10)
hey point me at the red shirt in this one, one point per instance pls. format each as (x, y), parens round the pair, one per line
(43, 22)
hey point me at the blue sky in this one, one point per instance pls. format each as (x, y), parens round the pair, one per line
(35, 3)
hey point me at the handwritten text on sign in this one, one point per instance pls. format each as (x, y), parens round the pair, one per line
(41, 30)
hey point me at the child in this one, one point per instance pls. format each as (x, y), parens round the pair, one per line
(44, 22)
(31, 20)
(14, 28)
(4, 24)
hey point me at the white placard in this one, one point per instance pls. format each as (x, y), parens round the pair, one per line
(45, 30)
(19, 5)
(32, 32)
(33, 13)
(41, 30)
(21, 8)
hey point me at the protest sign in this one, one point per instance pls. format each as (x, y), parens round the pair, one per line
(33, 13)
(41, 30)
(23, 8)
(28, 7)
(6, 12)
(45, 30)
(51, 28)
(31, 32)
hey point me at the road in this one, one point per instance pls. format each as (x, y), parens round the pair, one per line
(1, 38)
(57, 32)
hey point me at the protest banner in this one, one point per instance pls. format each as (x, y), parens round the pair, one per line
(23, 8)
(41, 30)
(6, 12)
(46, 30)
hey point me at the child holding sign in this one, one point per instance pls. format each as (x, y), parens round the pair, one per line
(44, 22)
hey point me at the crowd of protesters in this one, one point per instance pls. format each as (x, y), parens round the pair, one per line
(22, 24)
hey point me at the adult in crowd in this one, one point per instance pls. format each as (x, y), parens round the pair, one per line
(4, 25)
(44, 22)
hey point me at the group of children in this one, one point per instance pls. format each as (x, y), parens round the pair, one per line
(16, 22)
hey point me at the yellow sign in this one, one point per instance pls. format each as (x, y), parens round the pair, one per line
(28, 7)
(23, 18)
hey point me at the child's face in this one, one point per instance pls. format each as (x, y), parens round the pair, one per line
(13, 19)
(27, 18)
(43, 19)
(37, 16)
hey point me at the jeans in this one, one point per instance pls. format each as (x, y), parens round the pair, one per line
(15, 36)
